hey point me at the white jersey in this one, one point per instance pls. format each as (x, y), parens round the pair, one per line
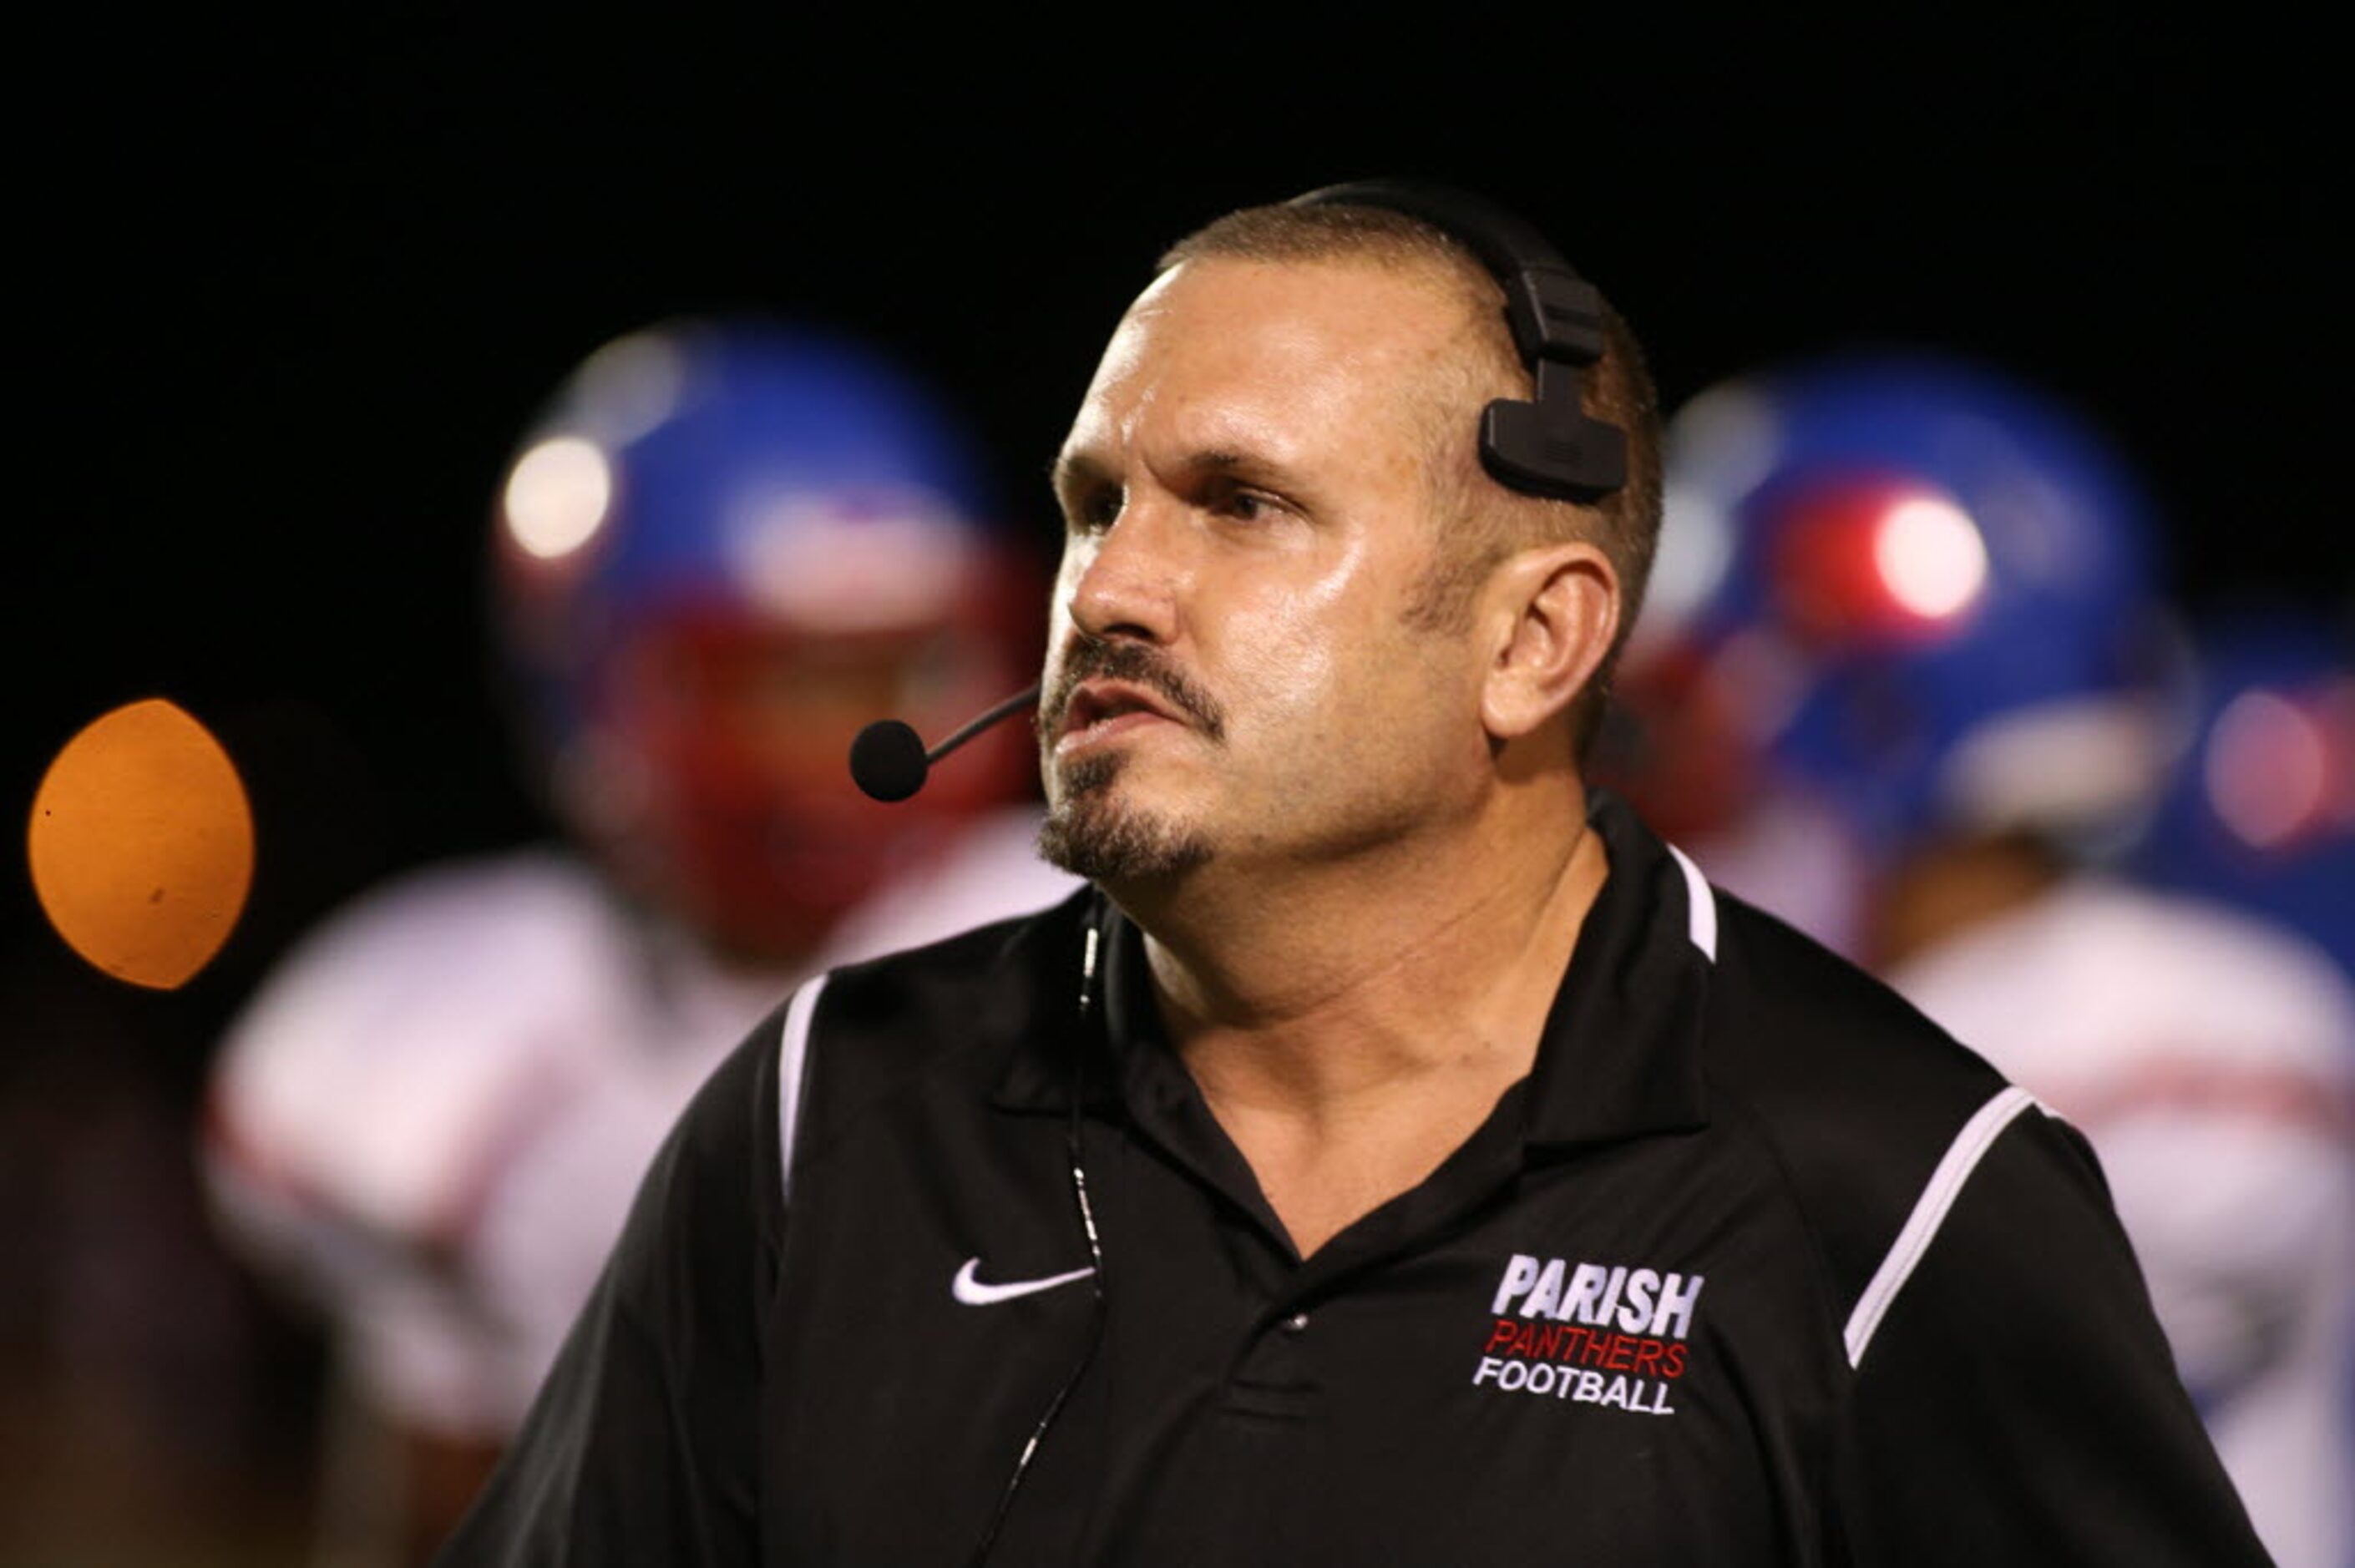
(2211, 1060)
(436, 1111)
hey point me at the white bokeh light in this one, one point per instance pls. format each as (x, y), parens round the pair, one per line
(558, 497)
(1930, 557)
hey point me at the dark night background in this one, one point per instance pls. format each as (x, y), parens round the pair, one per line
(285, 296)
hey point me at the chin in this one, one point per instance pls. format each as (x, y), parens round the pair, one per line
(1093, 829)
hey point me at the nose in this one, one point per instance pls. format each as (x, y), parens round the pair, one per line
(1125, 580)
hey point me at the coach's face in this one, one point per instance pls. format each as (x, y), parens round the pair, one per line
(1233, 672)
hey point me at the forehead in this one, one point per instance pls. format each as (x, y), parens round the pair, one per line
(1289, 359)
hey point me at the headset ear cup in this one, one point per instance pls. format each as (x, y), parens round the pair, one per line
(1551, 448)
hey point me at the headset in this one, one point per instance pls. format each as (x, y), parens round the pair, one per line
(1547, 446)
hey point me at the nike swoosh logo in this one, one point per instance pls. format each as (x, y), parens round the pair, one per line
(970, 1290)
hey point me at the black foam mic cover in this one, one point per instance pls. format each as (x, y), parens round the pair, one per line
(888, 760)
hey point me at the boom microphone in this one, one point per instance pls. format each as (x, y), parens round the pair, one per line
(889, 760)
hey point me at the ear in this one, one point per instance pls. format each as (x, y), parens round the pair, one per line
(1555, 610)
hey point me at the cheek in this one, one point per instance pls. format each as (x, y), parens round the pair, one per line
(1288, 675)
(1307, 642)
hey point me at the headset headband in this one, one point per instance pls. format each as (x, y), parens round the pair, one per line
(1547, 446)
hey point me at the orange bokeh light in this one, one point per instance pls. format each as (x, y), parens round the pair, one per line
(142, 844)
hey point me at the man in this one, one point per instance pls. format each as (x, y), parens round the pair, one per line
(1396, 1157)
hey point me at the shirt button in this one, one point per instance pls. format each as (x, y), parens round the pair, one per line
(1295, 1323)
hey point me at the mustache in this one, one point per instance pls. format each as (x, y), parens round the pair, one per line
(1147, 666)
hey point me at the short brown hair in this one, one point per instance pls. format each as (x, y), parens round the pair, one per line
(1487, 520)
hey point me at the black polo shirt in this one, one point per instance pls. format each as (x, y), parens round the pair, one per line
(1756, 1266)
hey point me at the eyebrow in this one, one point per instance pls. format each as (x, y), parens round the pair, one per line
(1221, 461)
(1077, 468)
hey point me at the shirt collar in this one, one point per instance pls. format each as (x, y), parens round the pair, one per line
(1621, 1055)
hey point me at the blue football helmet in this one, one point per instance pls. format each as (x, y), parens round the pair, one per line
(1923, 590)
(724, 548)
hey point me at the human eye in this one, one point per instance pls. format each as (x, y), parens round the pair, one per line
(1093, 506)
(1242, 504)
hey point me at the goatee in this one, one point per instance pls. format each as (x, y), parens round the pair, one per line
(1089, 832)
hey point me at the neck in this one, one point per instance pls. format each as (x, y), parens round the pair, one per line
(1307, 993)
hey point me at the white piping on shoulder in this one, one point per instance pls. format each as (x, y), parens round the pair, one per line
(792, 1054)
(1701, 905)
(1962, 1158)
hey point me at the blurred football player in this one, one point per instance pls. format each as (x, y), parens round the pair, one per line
(1925, 609)
(2261, 814)
(725, 547)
